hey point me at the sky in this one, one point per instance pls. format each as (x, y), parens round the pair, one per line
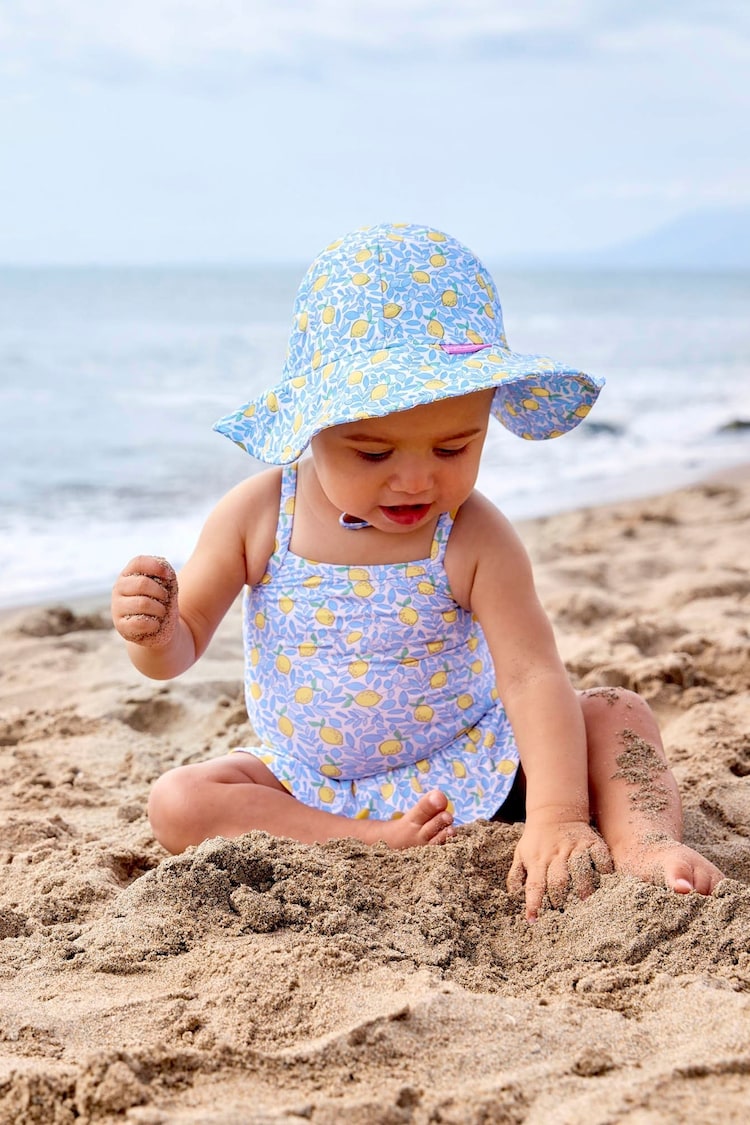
(233, 131)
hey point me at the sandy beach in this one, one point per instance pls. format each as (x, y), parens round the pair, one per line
(260, 980)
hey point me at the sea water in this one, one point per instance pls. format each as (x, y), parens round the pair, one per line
(111, 379)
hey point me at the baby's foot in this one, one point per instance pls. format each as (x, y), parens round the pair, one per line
(669, 863)
(427, 822)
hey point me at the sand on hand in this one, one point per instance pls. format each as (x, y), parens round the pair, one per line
(261, 980)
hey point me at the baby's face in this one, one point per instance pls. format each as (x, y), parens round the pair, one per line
(400, 471)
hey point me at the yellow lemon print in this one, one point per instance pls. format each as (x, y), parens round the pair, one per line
(435, 384)
(328, 314)
(489, 311)
(423, 765)
(391, 310)
(307, 648)
(426, 588)
(360, 279)
(413, 571)
(476, 667)
(298, 382)
(303, 694)
(582, 411)
(464, 701)
(367, 698)
(434, 647)
(459, 769)
(387, 789)
(474, 734)
(438, 679)
(250, 412)
(303, 322)
(316, 358)
(435, 328)
(285, 726)
(362, 255)
(313, 581)
(472, 644)
(379, 356)
(265, 579)
(450, 298)
(260, 620)
(335, 245)
(474, 337)
(421, 276)
(254, 656)
(328, 370)
(490, 739)
(481, 282)
(506, 767)
(329, 770)
(449, 616)
(540, 392)
(286, 605)
(416, 785)
(530, 404)
(272, 402)
(283, 664)
(326, 794)
(391, 746)
(358, 668)
(409, 662)
(331, 736)
(354, 636)
(473, 362)
(379, 392)
(325, 616)
(423, 713)
(363, 589)
(320, 283)
(363, 814)
(255, 690)
(359, 328)
(395, 237)
(435, 236)
(437, 260)
(358, 572)
(408, 616)
(355, 377)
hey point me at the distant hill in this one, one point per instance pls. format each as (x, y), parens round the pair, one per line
(712, 238)
(717, 238)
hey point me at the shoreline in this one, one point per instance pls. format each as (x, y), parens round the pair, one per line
(260, 980)
(96, 598)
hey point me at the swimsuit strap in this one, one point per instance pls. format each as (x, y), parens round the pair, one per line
(286, 517)
(440, 539)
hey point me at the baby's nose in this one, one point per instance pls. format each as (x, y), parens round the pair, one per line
(412, 475)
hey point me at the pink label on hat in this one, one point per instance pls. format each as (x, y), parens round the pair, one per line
(463, 349)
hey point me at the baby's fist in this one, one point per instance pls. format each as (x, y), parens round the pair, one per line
(144, 602)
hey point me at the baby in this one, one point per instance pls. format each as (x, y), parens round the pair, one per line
(401, 675)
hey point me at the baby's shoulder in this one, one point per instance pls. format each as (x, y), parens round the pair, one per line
(252, 509)
(481, 536)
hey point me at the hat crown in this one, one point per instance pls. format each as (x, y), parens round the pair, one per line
(390, 285)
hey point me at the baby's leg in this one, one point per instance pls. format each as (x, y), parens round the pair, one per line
(634, 797)
(238, 793)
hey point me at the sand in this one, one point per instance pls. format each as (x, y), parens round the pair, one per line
(260, 980)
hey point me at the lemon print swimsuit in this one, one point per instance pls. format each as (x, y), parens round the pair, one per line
(369, 685)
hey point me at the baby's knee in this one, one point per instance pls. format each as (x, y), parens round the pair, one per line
(169, 808)
(618, 700)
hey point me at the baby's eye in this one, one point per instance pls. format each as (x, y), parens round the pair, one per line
(455, 452)
(369, 455)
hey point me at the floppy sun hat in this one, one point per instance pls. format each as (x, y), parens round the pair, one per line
(395, 316)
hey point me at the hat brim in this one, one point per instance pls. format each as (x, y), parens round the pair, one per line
(535, 397)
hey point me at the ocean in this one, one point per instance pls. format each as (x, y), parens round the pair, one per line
(111, 379)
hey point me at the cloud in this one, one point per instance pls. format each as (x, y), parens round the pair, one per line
(105, 39)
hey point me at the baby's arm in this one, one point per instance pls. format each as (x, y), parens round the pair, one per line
(168, 629)
(558, 846)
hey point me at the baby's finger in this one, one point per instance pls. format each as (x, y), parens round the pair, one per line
(584, 879)
(516, 877)
(152, 566)
(535, 891)
(558, 881)
(601, 857)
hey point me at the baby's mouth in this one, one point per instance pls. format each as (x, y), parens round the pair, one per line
(405, 514)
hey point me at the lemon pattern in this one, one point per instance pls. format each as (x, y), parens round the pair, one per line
(368, 685)
(391, 317)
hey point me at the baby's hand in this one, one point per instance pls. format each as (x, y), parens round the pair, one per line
(144, 602)
(556, 858)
